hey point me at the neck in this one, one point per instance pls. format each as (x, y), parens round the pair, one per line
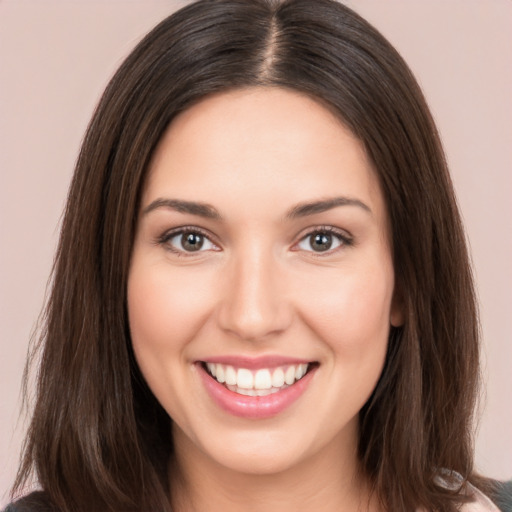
(326, 481)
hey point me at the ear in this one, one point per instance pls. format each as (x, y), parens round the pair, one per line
(396, 314)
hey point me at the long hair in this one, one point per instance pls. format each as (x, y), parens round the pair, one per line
(98, 439)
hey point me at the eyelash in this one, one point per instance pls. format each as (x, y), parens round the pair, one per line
(343, 237)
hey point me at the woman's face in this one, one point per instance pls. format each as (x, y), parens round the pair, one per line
(262, 252)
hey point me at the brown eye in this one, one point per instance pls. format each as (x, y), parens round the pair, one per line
(323, 241)
(192, 241)
(188, 241)
(320, 242)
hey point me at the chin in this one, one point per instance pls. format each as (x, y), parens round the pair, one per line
(260, 451)
(271, 460)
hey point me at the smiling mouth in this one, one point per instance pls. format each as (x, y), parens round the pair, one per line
(260, 382)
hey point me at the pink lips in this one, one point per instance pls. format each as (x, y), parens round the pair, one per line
(254, 407)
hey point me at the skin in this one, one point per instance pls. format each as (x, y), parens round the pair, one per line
(258, 287)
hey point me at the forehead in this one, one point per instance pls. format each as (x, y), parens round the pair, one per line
(270, 145)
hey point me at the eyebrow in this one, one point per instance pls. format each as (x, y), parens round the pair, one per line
(191, 207)
(301, 210)
(311, 208)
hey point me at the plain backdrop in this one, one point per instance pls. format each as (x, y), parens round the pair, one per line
(57, 56)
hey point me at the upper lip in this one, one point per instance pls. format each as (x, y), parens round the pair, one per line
(254, 363)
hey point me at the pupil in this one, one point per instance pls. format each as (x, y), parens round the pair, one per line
(321, 242)
(192, 242)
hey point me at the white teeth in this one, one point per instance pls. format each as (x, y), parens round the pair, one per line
(247, 392)
(257, 383)
(301, 371)
(244, 379)
(263, 379)
(230, 376)
(220, 374)
(212, 368)
(254, 392)
(277, 378)
(289, 376)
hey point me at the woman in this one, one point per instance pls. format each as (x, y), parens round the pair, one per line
(262, 297)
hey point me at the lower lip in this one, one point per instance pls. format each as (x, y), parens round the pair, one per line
(254, 407)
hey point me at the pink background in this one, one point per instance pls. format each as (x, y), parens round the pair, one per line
(57, 56)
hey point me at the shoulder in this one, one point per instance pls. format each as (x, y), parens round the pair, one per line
(502, 498)
(502, 495)
(34, 502)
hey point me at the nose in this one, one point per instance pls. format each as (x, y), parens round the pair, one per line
(254, 302)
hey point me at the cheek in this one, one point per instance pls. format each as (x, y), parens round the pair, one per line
(350, 309)
(349, 313)
(165, 308)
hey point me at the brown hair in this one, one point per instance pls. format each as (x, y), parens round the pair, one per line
(99, 440)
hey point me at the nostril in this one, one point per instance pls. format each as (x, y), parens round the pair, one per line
(253, 323)
(252, 304)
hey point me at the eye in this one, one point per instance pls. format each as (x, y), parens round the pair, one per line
(187, 241)
(323, 240)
